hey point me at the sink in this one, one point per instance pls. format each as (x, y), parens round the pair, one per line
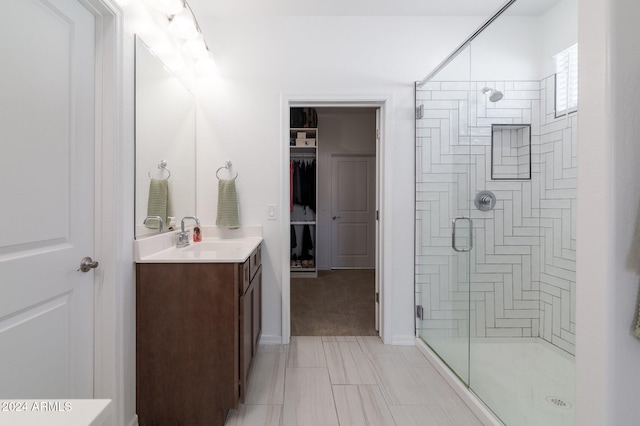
(162, 249)
(212, 249)
(209, 245)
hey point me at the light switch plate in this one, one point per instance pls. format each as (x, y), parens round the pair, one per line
(271, 212)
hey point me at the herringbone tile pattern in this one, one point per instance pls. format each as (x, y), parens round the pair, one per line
(522, 266)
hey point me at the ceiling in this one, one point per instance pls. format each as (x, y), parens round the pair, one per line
(228, 8)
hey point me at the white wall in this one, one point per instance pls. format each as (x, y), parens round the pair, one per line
(607, 353)
(261, 59)
(341, 131)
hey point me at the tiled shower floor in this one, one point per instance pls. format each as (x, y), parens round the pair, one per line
(525, 382)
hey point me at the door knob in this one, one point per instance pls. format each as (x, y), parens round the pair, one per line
(335, 217)
(87, 264)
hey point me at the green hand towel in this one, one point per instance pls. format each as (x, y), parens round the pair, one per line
(227, 204)
(158, 204)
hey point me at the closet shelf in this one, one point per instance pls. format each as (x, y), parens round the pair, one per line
(303, 151)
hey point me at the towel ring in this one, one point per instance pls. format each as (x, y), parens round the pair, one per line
(227, 165)
(162, 166)
(224, 167)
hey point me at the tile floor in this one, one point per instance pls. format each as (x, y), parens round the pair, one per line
(350, 381)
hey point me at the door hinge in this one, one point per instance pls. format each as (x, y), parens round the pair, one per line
(419, 312)
(377, 214)
(378, 134)
(420, 112)
(377, 297)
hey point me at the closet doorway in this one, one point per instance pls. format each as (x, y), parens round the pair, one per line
(340, 300)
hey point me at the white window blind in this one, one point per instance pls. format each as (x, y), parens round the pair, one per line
(567, 80)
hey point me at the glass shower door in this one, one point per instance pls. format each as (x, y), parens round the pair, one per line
(443, 225)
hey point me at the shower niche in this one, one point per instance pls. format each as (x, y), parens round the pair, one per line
(511, 152)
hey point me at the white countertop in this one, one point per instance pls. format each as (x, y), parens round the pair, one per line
(217, 246)
(52, 412)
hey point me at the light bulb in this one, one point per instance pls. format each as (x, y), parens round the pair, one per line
(206, 66)
(196, 48)
(183, 26)
(169, 7)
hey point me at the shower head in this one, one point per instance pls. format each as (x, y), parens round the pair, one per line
(494, 95)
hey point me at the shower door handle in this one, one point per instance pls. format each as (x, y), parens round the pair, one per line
(453, 235)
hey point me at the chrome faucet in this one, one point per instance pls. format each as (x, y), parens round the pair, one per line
(158, 218)
(183, 237)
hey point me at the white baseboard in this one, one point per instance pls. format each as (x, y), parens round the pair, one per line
(470, 399)
(403, 340)
(270, 340)
(134, 420)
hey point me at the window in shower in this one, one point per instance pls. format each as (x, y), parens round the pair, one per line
(567, 80)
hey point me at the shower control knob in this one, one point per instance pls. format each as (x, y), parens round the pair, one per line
(485, 201)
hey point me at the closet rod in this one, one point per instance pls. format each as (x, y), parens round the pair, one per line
(303, 156)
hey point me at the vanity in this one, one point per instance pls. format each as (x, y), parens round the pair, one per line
(198, 308)
(198, 324)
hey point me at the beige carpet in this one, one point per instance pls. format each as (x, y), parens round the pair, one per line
(337, 303)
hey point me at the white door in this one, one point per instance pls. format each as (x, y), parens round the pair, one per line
(353, 204)
(47, 174)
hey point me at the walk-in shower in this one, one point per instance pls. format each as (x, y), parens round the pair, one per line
(495, 274)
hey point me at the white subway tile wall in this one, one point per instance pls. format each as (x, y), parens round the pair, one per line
(522, 266)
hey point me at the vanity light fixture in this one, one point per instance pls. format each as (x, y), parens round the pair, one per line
(184, 25)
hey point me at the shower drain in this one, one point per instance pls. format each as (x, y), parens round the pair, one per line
(558, 402)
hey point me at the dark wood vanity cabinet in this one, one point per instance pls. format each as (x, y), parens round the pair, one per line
(250, 318)
(197, 332)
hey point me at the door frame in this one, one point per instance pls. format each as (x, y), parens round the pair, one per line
(383, 259)
(110, 178)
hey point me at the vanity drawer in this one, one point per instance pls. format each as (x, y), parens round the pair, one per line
(255, 260)
(245, 276)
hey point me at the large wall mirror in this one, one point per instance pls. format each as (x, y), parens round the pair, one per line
(165, 144)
